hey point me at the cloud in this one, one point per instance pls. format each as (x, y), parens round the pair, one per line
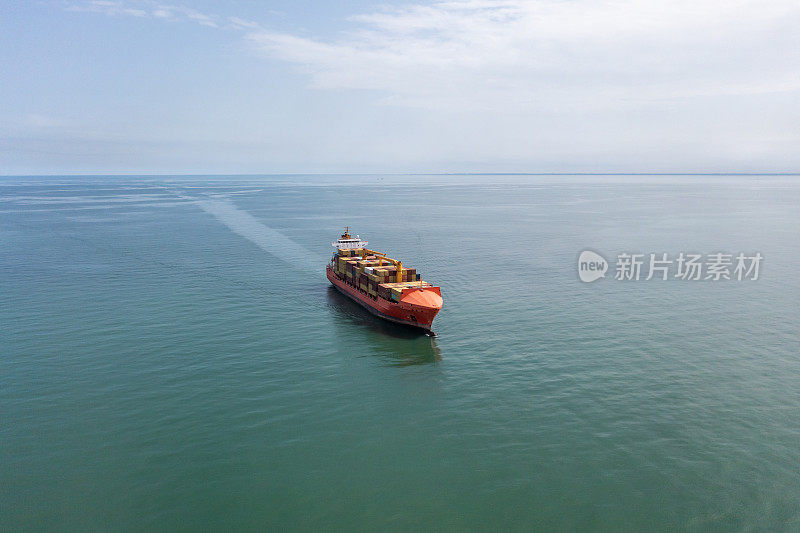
(670, 85)
(147, 9)
(108, 8)
(530, 54)
(200, 18)
(241, 24)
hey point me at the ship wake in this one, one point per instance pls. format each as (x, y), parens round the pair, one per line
(246, 225)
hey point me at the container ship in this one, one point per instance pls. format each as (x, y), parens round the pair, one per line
(382, 285)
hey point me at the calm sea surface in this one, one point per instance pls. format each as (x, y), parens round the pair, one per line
(172, 356)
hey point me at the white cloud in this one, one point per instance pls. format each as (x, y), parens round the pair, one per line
(544, 52)
(491, 53)
(109, 8)
(200, 18)
(671, 85)
(137, 9)
(241, 24)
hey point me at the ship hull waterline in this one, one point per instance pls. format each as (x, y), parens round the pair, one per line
(385, 309)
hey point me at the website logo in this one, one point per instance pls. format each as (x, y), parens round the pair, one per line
(685, 266)
(591, 266)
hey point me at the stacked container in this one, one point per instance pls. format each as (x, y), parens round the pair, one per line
(393, 291)
(375, 275)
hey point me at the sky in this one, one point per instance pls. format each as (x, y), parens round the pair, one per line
(245, 86)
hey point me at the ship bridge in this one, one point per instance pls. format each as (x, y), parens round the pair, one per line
(347, 242)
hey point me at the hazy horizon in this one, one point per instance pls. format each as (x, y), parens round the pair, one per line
(267, 174)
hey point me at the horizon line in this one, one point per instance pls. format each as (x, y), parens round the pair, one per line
(189, 174)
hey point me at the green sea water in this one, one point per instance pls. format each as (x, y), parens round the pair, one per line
(172, 356)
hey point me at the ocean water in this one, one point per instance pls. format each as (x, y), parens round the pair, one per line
(172, 356)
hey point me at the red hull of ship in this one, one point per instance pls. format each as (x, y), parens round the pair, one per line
(401, 312)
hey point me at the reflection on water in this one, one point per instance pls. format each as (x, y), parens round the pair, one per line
(403, 345)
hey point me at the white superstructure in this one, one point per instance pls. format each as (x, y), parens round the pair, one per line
(347, 242)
